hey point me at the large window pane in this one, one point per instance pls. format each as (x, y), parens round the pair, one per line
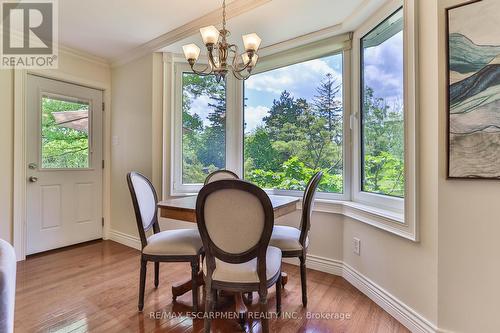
(293, 125)
(203, 127)
(65, 134)
(382, 120)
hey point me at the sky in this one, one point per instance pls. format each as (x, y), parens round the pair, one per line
(383, 71)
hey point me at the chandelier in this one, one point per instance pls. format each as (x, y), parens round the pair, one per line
(220, 52)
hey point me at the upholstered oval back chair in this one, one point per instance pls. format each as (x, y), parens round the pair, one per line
(219, 175)
(161, 246)
(293, 242)
(235, 219)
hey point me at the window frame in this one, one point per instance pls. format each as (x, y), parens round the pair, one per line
(407, 226)
(178, 188)
(90, 135)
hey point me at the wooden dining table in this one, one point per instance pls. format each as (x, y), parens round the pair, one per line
(184, 209)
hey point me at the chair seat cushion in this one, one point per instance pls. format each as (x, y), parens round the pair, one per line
(286, 238)
(246, 272)
(174, 242)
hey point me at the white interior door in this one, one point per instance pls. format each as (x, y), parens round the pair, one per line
(64, 164)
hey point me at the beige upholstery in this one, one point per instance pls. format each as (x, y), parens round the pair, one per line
(286, 238)
(237, 229)
(174, 242)
(145, 199)
(7, 286)
(219, 175)
(246, 272)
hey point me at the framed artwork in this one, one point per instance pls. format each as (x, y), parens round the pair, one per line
(473, 39)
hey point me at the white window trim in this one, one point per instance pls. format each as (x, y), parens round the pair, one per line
(406, 227)
(177, 187)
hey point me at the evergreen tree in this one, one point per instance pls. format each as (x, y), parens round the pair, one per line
(284, 111)
(328, 106)
(213, 149)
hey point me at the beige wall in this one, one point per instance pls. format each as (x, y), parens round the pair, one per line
(6, 151)
(406, 269)
(72, 67)
(131, 127)
(469, 226)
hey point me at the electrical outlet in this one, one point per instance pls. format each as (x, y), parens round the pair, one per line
(356, 245)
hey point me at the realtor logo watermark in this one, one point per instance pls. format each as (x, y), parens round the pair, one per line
(29, 34)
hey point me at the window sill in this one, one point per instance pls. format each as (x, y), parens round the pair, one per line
(384, 219)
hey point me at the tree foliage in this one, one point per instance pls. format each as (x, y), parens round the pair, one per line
(62, 147)
(296, 139)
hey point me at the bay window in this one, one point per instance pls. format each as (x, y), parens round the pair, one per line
(345, 105)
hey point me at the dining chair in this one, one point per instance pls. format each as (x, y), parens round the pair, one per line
(179, 245)
(235, 219)
(219, 175)
(292, 241)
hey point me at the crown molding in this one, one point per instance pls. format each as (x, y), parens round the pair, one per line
(63, 49)
(233, 9)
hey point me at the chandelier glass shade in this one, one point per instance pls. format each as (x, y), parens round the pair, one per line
(222, 56)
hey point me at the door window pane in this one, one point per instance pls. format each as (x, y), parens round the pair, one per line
(294, 126)
(382, 117)
(65, 134)
(203, 127)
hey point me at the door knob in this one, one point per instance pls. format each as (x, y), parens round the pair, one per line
(33, 179)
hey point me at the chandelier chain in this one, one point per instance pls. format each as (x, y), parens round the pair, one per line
(223, 14)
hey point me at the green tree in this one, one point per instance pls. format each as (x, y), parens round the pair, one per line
(383, 146)
(328, 106)
(63, 147)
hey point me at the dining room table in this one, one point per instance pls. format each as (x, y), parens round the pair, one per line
(184, 209)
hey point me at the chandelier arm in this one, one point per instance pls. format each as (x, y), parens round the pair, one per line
(211, 59)
(238, 76)
(202, 72)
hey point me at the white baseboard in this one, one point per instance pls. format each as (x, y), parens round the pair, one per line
(395, 307)
(125, 239)
(322, 264)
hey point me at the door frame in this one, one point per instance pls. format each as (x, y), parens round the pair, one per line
(20, 184)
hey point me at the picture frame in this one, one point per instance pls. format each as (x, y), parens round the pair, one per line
(473, 91)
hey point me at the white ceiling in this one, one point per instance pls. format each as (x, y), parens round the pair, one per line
(109, 28)
(112, 28)
(280, 20)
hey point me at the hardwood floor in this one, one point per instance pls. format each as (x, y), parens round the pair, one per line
(94, 288)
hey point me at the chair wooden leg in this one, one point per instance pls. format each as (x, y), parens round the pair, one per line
(303, 279)
(278, 296)
(209, 306)
(157, 274)
(194, 278)
(264, 310)
(142, 284)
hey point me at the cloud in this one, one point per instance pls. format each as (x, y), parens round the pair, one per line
(383, 69)
(254, 115)
(295, 78)
(200, 107)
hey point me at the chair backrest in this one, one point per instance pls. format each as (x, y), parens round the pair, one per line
(235, 219)
(308, 205)
(145, 202)
(219, 175)
(7, 286)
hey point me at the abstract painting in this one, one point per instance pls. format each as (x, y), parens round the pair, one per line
(474, 90)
